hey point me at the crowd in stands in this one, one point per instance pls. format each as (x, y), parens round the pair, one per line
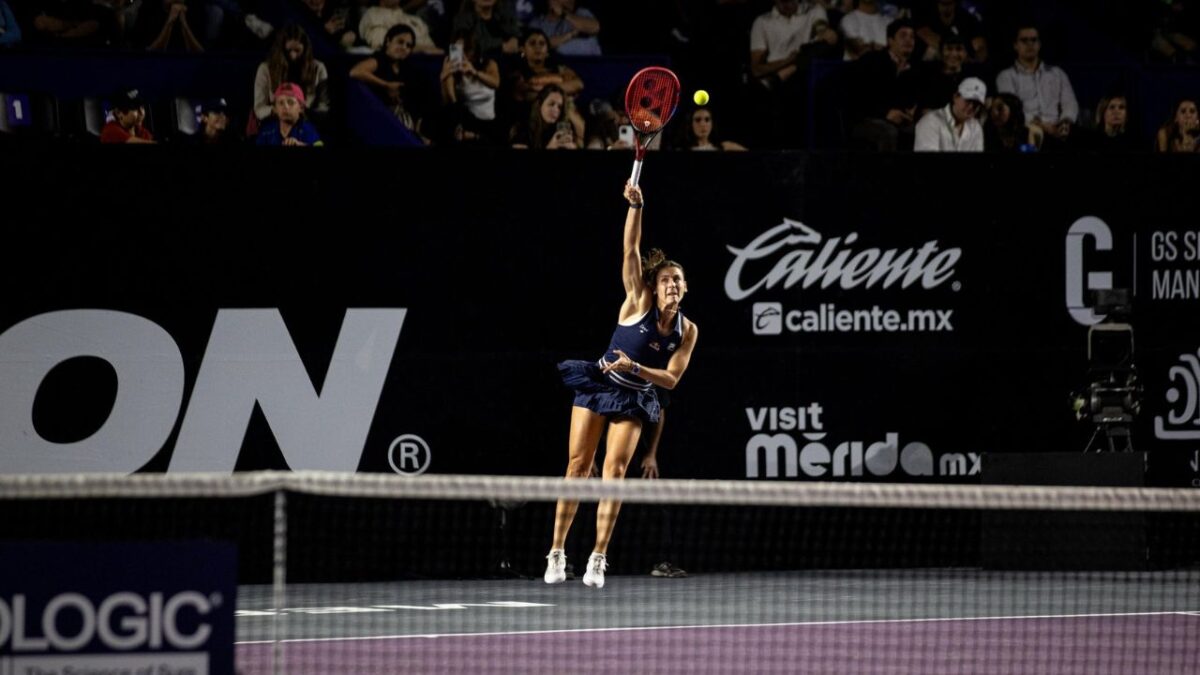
(894, 75)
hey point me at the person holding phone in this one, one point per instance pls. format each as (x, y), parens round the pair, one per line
(469, 82)
(541, 131)
(609, 128)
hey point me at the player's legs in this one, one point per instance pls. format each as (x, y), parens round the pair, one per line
(586, 427)
(623, 437)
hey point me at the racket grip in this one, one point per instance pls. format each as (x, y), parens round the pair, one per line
(637, 172)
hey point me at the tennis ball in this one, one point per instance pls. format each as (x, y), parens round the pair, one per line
(700, 97)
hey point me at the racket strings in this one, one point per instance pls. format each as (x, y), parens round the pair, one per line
(651, 99)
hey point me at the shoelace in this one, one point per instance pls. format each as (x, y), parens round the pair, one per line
(599, 564)
(556, 558)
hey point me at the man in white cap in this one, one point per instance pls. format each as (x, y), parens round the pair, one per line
(956, 127)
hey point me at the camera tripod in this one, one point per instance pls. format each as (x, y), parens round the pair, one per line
(1118, 436)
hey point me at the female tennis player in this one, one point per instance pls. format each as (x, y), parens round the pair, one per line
(650, 347)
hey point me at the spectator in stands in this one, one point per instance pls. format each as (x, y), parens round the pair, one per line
(943, 18)
(548, 126)
(1111, 131)
(1177, 31)
(954, 128)
(776, 39)
(1005, 129)
(782, 42)
(10, 30)
(334, 17)
(174, 32)
(213, 116)
(940, 79)
(539, 68)
(1044, 90)
(288, 127)
(493, 23)
(469, 83)
(604, 124)
(572, 30)
(377, 20)
(79, 22)
(291, 60)
(128, 120)
(1179, 133)
(864, 29)
(609, 128)
(885, 88)
(393, 77)
(698, 133)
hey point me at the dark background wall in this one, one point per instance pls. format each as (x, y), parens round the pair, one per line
(509, 262)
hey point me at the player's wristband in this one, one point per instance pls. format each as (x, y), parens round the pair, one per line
(636, 369)
(635, 206)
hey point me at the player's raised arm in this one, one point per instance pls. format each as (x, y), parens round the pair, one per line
(631, 263)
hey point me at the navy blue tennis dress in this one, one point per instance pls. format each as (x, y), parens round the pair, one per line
(625, 394)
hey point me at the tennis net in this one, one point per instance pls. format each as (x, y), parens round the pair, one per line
(378, 573)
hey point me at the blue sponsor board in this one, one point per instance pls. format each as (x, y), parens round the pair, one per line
(133, 608)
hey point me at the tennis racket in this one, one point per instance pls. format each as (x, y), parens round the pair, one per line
(650, 101)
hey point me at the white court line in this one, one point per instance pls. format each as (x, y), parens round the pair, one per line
(723, 625)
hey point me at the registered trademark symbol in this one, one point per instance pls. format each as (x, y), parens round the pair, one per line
(409, 455)
(956, 286)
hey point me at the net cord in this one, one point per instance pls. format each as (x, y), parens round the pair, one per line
(537, 488)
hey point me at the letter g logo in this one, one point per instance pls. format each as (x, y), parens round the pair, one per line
(1088, 226)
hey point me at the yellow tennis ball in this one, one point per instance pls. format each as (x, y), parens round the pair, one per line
(700, 97)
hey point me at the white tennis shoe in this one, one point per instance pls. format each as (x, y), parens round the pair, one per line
(594, 577)
(556, 567)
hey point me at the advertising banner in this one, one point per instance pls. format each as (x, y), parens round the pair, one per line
(861, 318)
(140, 609)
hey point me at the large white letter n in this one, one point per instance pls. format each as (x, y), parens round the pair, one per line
(251, 358)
